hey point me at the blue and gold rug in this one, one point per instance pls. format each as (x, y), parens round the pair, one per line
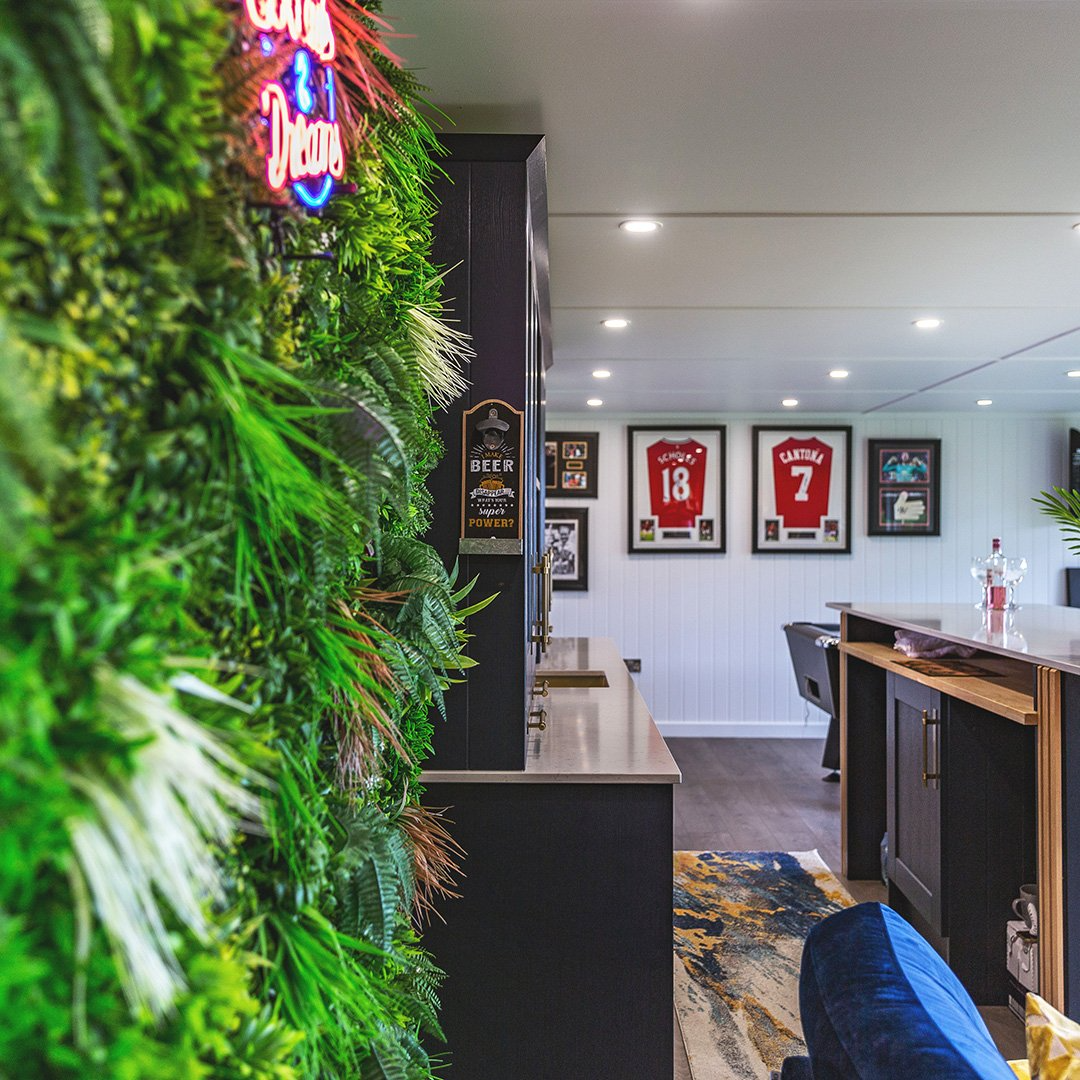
(740, 921)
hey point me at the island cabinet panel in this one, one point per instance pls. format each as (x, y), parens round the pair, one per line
(961, 808)
(1061, 768)
(991, 809)
(916, 774)
(863, 759)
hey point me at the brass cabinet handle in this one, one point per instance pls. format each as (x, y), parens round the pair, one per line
(549, 566)
(540, 723)
(543, 627)
(930, 719)
(540, 689)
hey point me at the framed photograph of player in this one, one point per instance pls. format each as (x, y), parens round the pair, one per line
(570, 464)
(566, 536)
(904, 487)
(802, 490)
(677, 496)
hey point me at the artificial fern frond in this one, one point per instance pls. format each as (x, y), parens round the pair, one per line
(374, 877)
(396, 1055)
(149, 838)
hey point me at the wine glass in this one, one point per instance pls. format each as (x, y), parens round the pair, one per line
(1014, 572)
(978, 572)
(1015, 569)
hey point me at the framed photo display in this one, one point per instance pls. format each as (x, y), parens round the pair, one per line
(677, 496)
(904, 487)
(566, 536)
(570, 464)
(802, 490)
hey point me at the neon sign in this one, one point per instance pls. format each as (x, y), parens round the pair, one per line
(300, 108)
(300, 149)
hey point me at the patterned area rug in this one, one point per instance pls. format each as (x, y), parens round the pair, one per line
(740, 921)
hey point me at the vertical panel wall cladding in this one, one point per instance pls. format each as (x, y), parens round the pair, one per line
(708, 629)
(491, 234)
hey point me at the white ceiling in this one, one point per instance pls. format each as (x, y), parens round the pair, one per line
(826, 171)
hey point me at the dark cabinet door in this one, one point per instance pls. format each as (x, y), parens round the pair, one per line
(916, 767)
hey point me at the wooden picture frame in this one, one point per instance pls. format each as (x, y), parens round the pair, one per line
(566, 536)
(903, 487)
(570, 464)
(677, 496)
(802, 490)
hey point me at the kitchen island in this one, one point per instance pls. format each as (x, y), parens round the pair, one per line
(969, 772)
(558, 952)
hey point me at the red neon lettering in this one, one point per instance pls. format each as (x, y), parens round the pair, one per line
(307, 22)
(299, 148)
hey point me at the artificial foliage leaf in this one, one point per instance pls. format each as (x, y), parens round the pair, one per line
(212, 466)
(1063, 505)
(375, 877)
(150, 834)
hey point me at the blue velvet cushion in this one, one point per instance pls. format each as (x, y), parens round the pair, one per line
(877, 1002)
(796, 1068)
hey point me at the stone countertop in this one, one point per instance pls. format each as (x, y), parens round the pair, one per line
(594, 735)
(1035, 633)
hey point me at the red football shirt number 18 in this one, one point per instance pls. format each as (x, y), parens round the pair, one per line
(676, 482)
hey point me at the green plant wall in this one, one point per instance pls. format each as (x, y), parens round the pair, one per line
(222, 640)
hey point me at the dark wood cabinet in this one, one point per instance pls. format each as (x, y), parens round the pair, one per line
(558, 954)
(961, 813)
(918, 833)
(1010, 809)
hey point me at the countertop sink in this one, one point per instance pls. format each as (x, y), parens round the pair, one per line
(556, 679)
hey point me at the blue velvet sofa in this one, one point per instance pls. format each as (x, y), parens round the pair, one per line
(877, 1003)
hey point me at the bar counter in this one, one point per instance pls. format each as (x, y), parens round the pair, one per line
(593, 734)
(1035, 633)
(558, 950)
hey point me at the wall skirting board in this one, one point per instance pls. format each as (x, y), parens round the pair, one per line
(702, 729)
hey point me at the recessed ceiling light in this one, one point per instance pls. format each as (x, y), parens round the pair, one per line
(603, 373)
(927, 324)
(640, 225)
(595, 402)
(985, 401)
(616, 324)
(1073, 374)
(838, 373)
(789, 402)
(1076, 227)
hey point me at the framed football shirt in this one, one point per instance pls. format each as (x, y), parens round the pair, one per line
(802, 490)
(676, 480)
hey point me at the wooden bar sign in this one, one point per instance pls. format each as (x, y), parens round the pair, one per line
(491, 491)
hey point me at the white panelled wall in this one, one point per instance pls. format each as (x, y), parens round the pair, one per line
(707, 628)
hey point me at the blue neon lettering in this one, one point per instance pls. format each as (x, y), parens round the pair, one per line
(320, 198)
(305, 100)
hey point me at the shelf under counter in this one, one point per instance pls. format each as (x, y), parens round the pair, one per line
(1007, 689)
(593, 734)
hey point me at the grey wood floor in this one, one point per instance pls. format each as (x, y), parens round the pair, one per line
(768, 795)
